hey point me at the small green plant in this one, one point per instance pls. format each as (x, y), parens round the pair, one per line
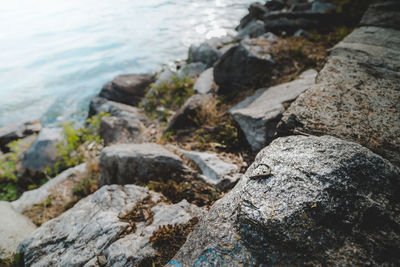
(159, 100)
(78, 144)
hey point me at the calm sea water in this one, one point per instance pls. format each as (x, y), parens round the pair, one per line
(55, 55)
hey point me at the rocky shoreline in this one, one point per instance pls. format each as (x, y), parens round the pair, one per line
(270, 147)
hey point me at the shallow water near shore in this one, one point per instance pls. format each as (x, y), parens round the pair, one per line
(56, 55)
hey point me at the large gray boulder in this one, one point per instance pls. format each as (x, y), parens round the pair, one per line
(138, 163)
(356, 96)
(112, 227)
(252, 29)
(127, 89)
(14, 228)
(259, 114)
(304, 201)
(383, 14)
(191, 70)
(54, 187)
(17, 131)
(242, 67)
(120, 130)
(43, 152)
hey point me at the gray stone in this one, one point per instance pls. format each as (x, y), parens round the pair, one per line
(115, 130)
(191, 70)
(100, 104)
(43, 151)
(322, 7)
(17, 131)
(243, 66)
(138, 163)
(356, 97)
(14, 228)
(253, 29)
(324, 201)
(275, 5)
(259, 114)
(192, 113)
(302, 33)
(33, 197)
(205, 83)
(127, 89)
(165, 76)
(204, 53)
(383, 14)
(92, 232)
(216, 172)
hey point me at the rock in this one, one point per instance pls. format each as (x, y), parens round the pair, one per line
(274, 5)
(98, 229)
(14, 228)
(17, 131)
(257, 10)
(243, 66)
(34, 197)
(204, 53)
(127, 89)
(120, 130)
(269, 36)
(302, 33)
(43, 151)
(322, 7)
(100, 104)
(259, 114)
(165, 76)
(356, 97)
(192, 113)
(253, 29)
(191, 70)
(323, 201)
(216, 172)
(383, 14)
(205, 83)
(284, 23)
(138, 163)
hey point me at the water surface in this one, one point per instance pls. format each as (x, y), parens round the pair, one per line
(55, 55)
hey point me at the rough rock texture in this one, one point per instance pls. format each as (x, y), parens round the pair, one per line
(94, 233)
(242, 66)
(216, 172)
(259, 114)
(383, 14)
(127, 89)
(205, 53)
(191, 70)
(205, 83)
(14, 228)
(357, 95)
(17, 131)
(304, 201)
(120, 130)
(189, 114)
(137, 163)
(43, 151)
(33, 197)
(253, 29)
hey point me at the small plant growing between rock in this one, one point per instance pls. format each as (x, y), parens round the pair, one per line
(159, 100)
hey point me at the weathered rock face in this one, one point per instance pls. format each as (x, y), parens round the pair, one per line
(137, 163)
(34, 197)
(242, 66)
(357, 94)
(205, 83)
(259, 114)
(188, 115)
(305, 200)
(252, 29)
(17, 131)
(120, 130)
(127, 89)
(216, 172)
(14, 228)
(204, 53)
(97, 231)
(383, 14)
(43, 151)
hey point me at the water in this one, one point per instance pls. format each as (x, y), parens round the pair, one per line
(55, 55)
